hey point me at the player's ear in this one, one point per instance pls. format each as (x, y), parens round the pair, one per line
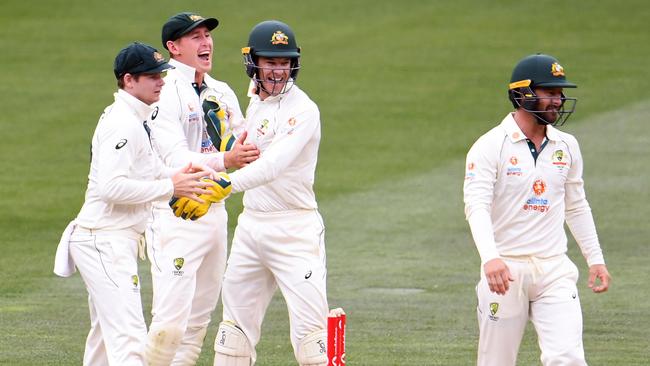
(173, 48)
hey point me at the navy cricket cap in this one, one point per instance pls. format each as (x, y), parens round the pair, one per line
(183, 23)
(139, 58)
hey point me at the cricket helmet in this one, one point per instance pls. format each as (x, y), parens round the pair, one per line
(271, 38)
(539, 71)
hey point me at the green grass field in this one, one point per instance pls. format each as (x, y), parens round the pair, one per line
(404, 88)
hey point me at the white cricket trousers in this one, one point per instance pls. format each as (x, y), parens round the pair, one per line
(188, 259)
(278, 249)
(544, 291)
(107, 262)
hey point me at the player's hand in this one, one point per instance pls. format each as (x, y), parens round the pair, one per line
(219, 189)
(498, 276)
(599, 271)
(241, 154)
(187, 182)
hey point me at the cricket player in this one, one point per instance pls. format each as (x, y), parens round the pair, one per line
(279, 239)
(523, 180)
(188, 258)
(125, 176)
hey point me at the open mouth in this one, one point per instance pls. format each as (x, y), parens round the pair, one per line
(205, 56)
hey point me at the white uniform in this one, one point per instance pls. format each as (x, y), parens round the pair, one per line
(125, 176)
(516, 206)
(188, 258)
(279, 239)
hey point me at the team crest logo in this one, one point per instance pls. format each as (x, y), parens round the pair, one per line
(279, 38)
(158, 57)
(539, 187)
(196, 18)
(513, 160)
(494, 308)
(557, 69)
(135, 280)
(263, 128)
(178, 263)
(291, 121)
(471, 166)
(558, 158)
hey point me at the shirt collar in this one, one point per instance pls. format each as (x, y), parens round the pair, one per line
(142, 110)
(514, 132)
(552, 133)
(188, 72)
(512, 129)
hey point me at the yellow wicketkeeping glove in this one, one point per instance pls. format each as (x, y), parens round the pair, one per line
(188, 209)
(215, 120)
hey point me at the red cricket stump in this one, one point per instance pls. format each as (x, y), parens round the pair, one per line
(336, 338)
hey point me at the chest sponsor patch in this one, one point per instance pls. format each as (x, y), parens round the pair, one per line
(537, 203)
(513, 169)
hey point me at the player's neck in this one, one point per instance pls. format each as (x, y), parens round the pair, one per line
(198, 77)
(527, 123)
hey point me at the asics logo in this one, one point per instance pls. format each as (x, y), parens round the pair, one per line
(120, 144)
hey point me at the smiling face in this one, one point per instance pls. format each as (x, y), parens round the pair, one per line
(145, 87)
(194, 49)
(549, 103)
(274, 75)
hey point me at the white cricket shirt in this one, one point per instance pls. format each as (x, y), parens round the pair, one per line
(178, 129)
(125, 174)
(517, 206)
(286, 130)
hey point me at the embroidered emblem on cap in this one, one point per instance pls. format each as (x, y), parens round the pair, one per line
(279, 38)
(557, 69)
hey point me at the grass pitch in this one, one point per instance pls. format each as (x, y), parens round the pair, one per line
(404, 89)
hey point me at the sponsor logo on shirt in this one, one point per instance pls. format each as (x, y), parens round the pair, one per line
(537, 203)
(120, 144)
(513, 169)
(206, 144)
(469, 174)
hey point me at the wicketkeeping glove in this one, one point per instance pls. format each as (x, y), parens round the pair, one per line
(186, 208)
(215, 119)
